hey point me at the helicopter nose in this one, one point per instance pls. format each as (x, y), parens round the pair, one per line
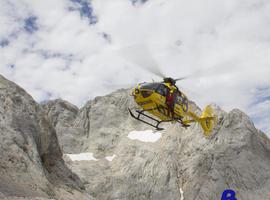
(135, 93)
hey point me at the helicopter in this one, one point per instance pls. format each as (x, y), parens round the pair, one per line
(151, 98)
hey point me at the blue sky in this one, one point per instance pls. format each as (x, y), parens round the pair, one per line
(70, 48)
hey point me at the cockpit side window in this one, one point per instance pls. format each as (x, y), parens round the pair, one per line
(179, 99)
(162, 90)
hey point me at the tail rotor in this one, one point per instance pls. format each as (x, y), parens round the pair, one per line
(208, 120)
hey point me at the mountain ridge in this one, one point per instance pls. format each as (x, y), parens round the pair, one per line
(181, 164)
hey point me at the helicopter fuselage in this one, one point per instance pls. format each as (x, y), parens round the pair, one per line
(151, 97)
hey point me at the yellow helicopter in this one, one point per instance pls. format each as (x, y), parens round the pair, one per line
(151, 98)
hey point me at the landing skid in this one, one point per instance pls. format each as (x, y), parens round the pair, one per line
(156, 121)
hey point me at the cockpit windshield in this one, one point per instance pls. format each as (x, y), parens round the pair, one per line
(149, 86)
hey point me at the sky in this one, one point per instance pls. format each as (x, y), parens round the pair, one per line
(73, 49)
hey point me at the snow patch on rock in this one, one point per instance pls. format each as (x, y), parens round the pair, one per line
(144, 136)
(82, 157)
(110, 158)
(182, 194)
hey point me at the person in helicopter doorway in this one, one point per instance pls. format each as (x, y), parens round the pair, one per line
(170, 101)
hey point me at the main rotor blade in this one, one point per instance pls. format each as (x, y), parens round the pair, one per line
(141, 56)
(180, 79)
(120, 85)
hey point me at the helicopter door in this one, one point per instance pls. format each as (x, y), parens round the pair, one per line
(182, 101)
(162, 90)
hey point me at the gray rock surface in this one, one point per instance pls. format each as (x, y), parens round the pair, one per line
(31, 163)
(70, 130)
(182, 164)
(236, 156)
(97, 126)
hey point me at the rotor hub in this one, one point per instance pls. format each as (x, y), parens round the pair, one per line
(169, 80)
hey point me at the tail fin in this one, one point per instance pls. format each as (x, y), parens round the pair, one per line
(208, 120)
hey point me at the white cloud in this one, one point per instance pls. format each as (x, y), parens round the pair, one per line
(260, 113)
(225, 43)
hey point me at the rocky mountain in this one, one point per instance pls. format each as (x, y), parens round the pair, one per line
(182, 164)
(31, 164)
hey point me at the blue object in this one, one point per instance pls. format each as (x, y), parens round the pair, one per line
(228, 195)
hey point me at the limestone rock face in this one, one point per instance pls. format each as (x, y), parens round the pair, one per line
(70, 131)
(182, 164)
(31, 163)
(97, 126)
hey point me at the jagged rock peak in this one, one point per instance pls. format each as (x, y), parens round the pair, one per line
(31, 162)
